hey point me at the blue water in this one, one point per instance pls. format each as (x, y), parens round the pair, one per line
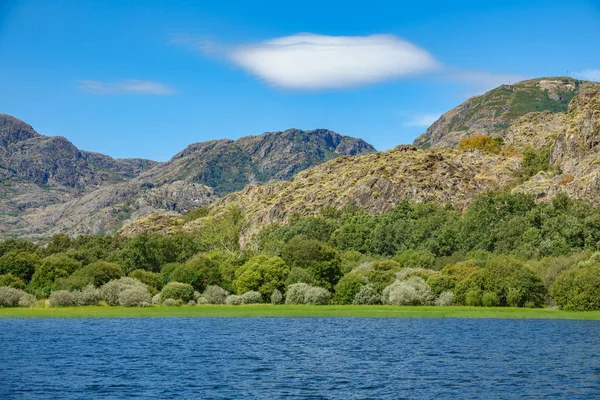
(317, 358)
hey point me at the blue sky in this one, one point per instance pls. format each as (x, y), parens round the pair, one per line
(147, 78)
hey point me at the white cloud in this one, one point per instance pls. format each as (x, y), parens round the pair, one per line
(309, 61)
(422, 120)
(130, 86)
(588, 75)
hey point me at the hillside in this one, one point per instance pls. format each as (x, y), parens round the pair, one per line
(494, 112)
(48, 186)
(377, 182)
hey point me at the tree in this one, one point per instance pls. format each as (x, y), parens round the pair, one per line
(578, 288)
(348, 286)
(261, 274)
(49, 270)
(198, 271)
(20, 264)
(320, 259)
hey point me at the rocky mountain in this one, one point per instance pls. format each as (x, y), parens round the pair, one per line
(494, 112)
(48, 186)
(377, 182)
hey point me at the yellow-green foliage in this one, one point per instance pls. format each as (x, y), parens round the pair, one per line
(480, 142)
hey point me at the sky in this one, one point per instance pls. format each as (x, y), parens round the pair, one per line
(147, 78)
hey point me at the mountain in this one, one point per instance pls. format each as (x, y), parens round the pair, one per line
(377, 182)
(48, 186)
(495, 111)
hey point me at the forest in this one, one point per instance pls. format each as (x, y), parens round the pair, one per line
(504, 250)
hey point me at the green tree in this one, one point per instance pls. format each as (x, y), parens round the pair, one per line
(199, 271)
(320, 259)
(261, 274)
(20, 264)
(578, 288)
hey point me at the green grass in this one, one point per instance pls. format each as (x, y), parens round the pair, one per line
(267, 310)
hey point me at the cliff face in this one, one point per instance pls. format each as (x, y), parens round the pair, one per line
(494, 112)
(48, 186)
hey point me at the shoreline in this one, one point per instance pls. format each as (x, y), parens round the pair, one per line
(297, 311)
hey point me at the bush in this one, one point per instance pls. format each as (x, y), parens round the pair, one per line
(301, 293)
(440, 284)
(474, 297)
(9, 297)
(156, 299)
(152, 279)
(296, 293)
(367, 295)
(135, 296)
(347, 287)
(201, 300)
(252, 297)
(215, 295)
(490, 299)
(321, 260)
(191, 303)
(422, 273)
(88, 296)
(578, 288)
(27, 300)
(444, 299)
(10, 280)
(480, 142)
(172, 302)
(234, 300)
(317, 296)
(276, 297)
(177, 291)
(61, 298)
(261, 274)
(413, 291)
(111, 291)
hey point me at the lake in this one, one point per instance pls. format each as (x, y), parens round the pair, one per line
(316, 358)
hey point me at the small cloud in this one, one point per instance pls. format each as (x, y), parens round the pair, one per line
(422, 120)
(130, 86)
(202, 45)
(588, 75)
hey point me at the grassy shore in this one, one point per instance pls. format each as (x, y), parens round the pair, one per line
(267, 310)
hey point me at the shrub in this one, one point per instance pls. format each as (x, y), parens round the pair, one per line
(321, 260)
(110, 291)
(252, 297)
(61, 298)
(156, 299)
(215, 295)
(88, 296)
(386, 265)
(444, 299)
(317, 296)
(276, 297)
(367, 295)
(170, 302)
(413, 291)
(177, 291)
(201, 300)
(152, 279)
(234, 300)
(296, 293)
(9, 297)
(490, 299)
(480, 142)
(440, 284)
(27, 300)
(578, 288)
(10, 280)
(422, 273)
(474, 297)
(347, 287)
(135, 296)
(381, 279)
(262, 274)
